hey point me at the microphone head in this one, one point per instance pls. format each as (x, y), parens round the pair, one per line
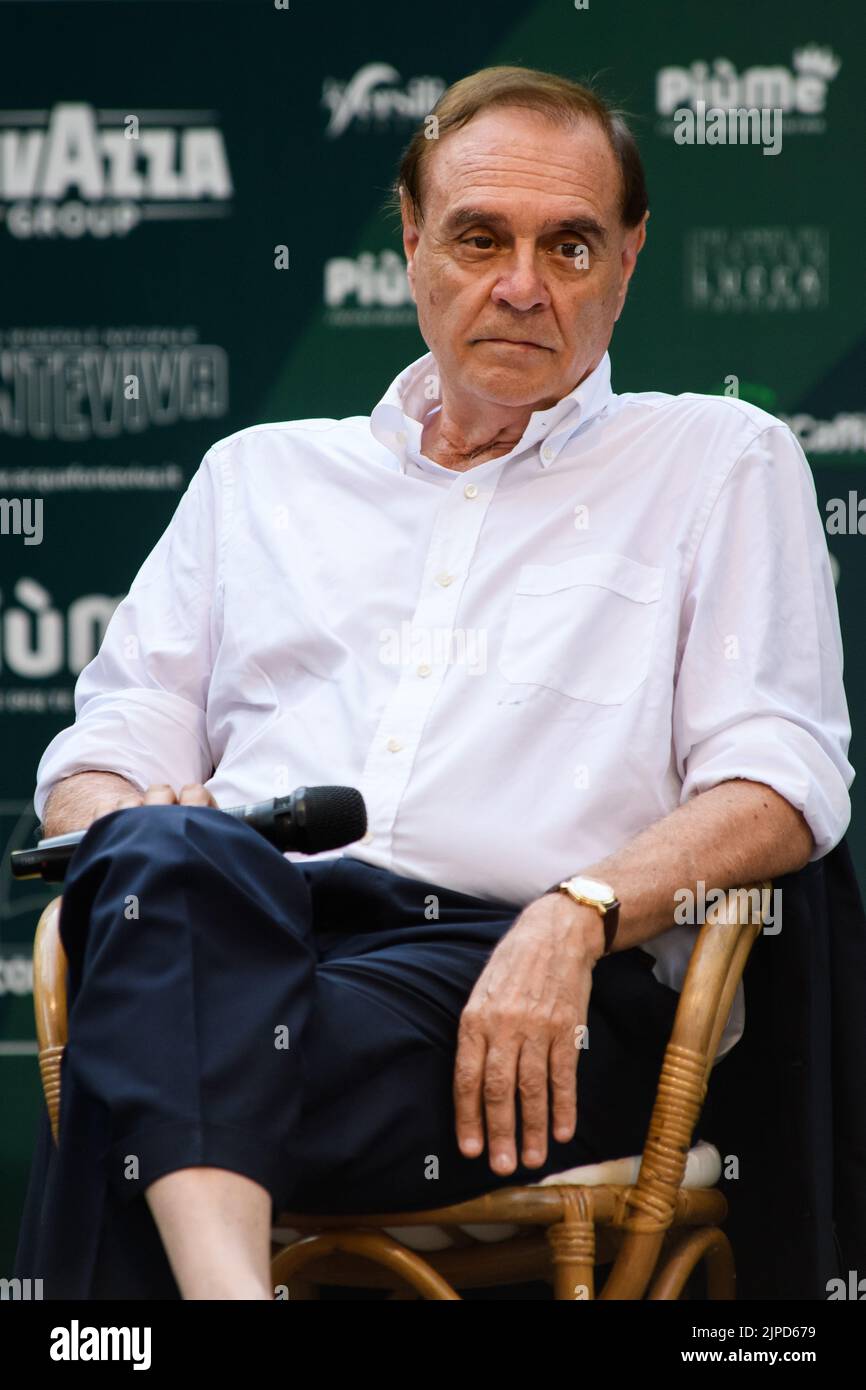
(332, 817)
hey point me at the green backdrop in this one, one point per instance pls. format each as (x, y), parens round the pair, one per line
(145, 248)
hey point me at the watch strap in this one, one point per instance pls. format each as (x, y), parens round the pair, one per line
(609, 917)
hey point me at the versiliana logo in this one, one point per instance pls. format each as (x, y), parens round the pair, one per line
(374, 97)
(799, 91)
(79, 171)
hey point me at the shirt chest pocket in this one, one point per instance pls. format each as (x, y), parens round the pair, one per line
(584, 628)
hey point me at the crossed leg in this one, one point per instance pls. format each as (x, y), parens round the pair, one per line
(245, 1061)
(216, 1229)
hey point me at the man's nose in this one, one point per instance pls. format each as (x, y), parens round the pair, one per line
(521, 283)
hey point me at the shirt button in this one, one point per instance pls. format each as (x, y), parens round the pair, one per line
(547, 453)
(394, 745)
(424, 670)
(444, 579)
(401, 438)
(470, 490)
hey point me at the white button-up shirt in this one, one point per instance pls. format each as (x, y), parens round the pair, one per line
(521, 666)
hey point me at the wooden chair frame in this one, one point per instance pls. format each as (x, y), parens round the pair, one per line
(653, 1233)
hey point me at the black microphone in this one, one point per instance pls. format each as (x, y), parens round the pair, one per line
(309, 819)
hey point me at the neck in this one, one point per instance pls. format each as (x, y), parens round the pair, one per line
(459, 438)
(466, 430)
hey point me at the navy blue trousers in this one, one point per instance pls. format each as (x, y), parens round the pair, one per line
(292, 1021)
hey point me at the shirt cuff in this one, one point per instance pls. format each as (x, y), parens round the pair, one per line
(786, 757)
(147, 737)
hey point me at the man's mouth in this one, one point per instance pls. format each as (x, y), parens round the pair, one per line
(515, 342)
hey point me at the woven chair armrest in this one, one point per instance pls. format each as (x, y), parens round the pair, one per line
(49, 1005)
(716, 968)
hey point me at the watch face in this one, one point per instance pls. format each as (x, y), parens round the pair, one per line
(593, 888)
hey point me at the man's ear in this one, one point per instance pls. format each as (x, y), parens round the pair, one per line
(411, 237)
(632, 247)
(641, 228)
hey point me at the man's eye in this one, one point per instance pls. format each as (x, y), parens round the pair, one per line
(478, 237)
(575, 247)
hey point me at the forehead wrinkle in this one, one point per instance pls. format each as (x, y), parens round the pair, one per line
(511, 161)
(580, 220)
(465, 187)
(489, 195)
(486, 150)
(570, 182)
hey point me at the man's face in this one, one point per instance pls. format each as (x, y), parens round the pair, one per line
(508, 201)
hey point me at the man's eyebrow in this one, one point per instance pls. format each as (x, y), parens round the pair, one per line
(583, 224)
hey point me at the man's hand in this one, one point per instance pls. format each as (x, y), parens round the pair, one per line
(160, 794)
(519, 1029)
(79, 800)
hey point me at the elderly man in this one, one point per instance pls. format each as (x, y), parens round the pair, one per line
(579, 651)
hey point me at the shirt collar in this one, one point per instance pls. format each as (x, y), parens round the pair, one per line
(397, 420)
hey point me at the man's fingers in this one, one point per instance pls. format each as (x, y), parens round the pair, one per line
(468, 1076)
(532, 1087)
(564, 1058)
(191, 794)
(194, 794)
(160, 794)
(115, 803)
(499, 1090)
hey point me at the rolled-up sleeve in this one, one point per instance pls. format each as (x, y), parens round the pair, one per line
(140, 704)
(759, 691)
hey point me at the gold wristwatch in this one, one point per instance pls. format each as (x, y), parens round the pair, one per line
(592, 892)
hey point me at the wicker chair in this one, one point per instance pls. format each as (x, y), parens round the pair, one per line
(653, 1218)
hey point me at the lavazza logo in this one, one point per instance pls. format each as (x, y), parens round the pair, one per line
(81, 171)
(374, 99)
(799, 92)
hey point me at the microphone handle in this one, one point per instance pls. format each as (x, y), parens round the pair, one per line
(282, 822)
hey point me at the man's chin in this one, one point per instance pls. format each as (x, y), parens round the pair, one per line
(516, 386)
